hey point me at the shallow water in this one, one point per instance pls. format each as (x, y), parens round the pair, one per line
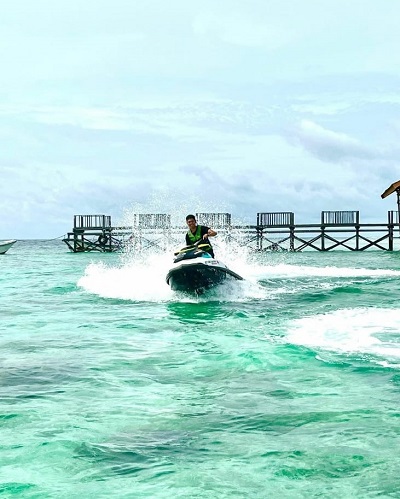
(284, 385)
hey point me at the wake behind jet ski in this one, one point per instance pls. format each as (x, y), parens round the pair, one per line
(194, 270)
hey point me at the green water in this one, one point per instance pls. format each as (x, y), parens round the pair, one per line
(286, 385)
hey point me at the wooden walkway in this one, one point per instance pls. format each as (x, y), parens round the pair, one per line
(275, 231)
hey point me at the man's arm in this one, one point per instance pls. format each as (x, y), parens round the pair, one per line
(207, 232)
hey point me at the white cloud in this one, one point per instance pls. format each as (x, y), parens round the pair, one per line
(329, 145)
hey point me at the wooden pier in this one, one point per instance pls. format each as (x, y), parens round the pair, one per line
(274, 231)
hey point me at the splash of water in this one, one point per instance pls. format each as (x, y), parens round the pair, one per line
(141, 277)
(373, 331)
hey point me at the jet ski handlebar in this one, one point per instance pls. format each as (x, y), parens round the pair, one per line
(191, 246)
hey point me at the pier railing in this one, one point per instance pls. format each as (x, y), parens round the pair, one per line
(92, 222)
(216, 220)
(340, 218)
(276, 219)
(151, 220)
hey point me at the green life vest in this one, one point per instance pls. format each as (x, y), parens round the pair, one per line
(193, 238)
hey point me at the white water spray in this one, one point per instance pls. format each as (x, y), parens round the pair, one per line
(371, 331)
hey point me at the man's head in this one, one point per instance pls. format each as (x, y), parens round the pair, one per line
(191, 221)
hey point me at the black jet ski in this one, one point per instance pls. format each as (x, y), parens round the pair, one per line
(194, 270)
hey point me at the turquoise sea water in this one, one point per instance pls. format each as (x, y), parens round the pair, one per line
(284, 385)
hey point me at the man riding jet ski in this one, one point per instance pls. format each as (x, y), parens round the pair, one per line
(195, 269)
(198, 232)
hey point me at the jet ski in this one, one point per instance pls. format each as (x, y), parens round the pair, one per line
(194, 270)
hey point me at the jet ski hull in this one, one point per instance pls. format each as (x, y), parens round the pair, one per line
(199, 276)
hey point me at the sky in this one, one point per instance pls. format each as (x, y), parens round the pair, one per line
(147, 106)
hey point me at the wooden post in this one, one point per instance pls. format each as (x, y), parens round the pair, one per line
(391, 229)
(291, 240)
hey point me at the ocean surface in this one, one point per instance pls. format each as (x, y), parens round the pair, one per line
(285, 385)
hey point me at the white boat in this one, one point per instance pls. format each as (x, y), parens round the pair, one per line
(6, 245)
(194, 270)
